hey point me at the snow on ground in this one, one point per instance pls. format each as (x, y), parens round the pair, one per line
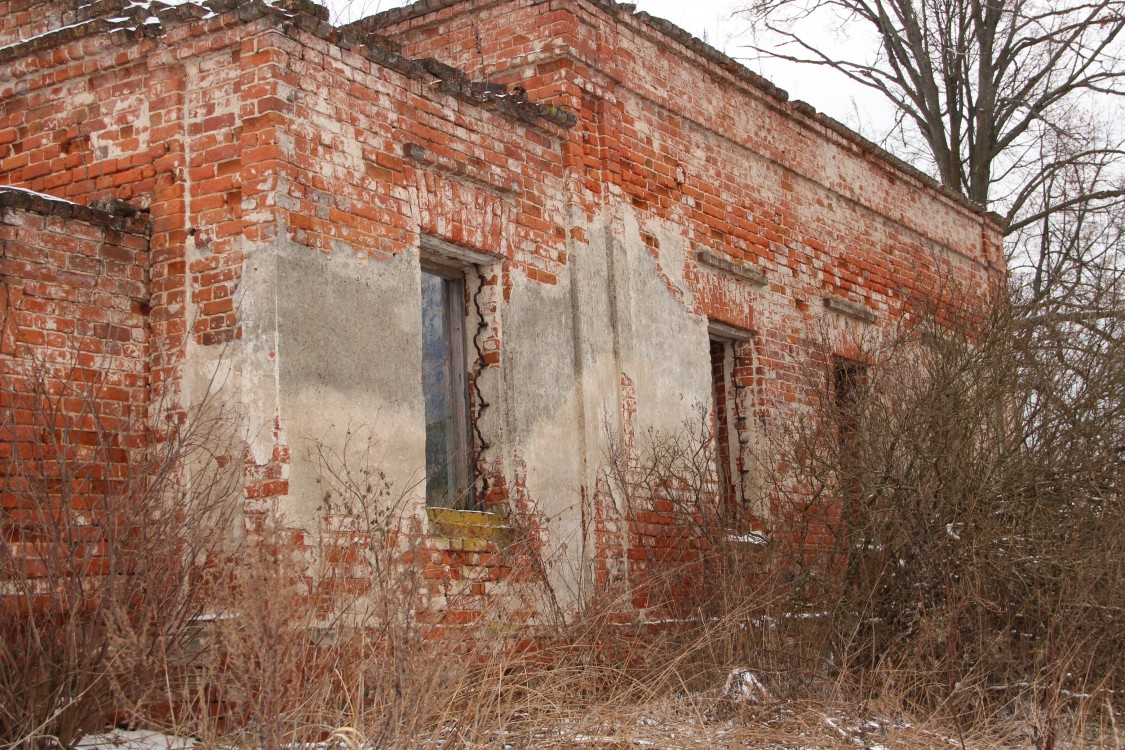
(134, 739)
(701, 721)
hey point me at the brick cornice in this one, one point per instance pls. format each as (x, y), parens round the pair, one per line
(727, 66)
(116, 214)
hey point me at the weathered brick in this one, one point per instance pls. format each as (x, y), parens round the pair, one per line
(267, 140)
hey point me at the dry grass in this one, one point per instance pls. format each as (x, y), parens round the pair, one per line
(107, 553)
(921, 623)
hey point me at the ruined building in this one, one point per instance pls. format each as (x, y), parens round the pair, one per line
(506, 239)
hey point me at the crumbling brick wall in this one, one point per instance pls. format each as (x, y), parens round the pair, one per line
(610, 188)
(787, 225)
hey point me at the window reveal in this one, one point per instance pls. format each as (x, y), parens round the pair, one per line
(445, 389)
(849, 381)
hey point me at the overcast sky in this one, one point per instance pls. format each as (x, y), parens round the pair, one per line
(715, 22)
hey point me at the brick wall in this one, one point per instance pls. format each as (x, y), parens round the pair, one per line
(840, 236)
(25, 19)
(634, 188)
(75, 293)
(73, 358)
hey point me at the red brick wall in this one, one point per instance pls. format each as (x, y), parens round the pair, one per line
(691, 140)
(73, 356)
(708, 142)
(255, 128)
(209, 130)
(75, 288)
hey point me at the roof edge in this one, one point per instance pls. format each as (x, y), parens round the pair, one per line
(728, 65)
(113, 213)
(312, 18)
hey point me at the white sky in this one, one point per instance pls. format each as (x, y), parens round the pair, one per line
(714, 22)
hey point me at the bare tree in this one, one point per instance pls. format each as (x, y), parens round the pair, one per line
(1012, 103)
(989, 91)
(1072, 246)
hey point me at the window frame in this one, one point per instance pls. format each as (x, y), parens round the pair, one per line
(466, 265)
(462, 484)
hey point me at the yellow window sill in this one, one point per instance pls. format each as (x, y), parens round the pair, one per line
(469, 524)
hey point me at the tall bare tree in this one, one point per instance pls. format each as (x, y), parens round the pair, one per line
(993, 90)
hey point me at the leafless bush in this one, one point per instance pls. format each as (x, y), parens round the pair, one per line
(318, 631)
(944, 535)
(113, 532)
(705, 575)
(968, 499)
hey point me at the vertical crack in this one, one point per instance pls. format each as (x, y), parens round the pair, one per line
(480, 445)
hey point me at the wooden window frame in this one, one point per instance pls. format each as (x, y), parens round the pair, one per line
(461, 493)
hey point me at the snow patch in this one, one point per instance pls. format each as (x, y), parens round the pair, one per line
(752, 537)
(743, 686)
(134, 739)
(215, 617)
(39, 195)
(151, 20)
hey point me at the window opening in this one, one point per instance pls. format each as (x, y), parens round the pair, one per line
(849, 380)
(723, 403)
(445, 390)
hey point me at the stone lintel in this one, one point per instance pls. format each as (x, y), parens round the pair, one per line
(738, 268)
(849, 308)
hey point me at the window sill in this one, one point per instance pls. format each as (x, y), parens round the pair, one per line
(475, 525)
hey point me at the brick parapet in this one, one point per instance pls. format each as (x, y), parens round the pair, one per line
(118, 215)
(362, 38)
(25, 19)
(588, 40)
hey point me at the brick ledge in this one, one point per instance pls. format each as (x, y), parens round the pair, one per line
(119, 214)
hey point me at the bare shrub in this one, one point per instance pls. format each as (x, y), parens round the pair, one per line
(316, 633)
(943, 539)
(108, 552)
(943, 534)
(970, 493)
(706, 574)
